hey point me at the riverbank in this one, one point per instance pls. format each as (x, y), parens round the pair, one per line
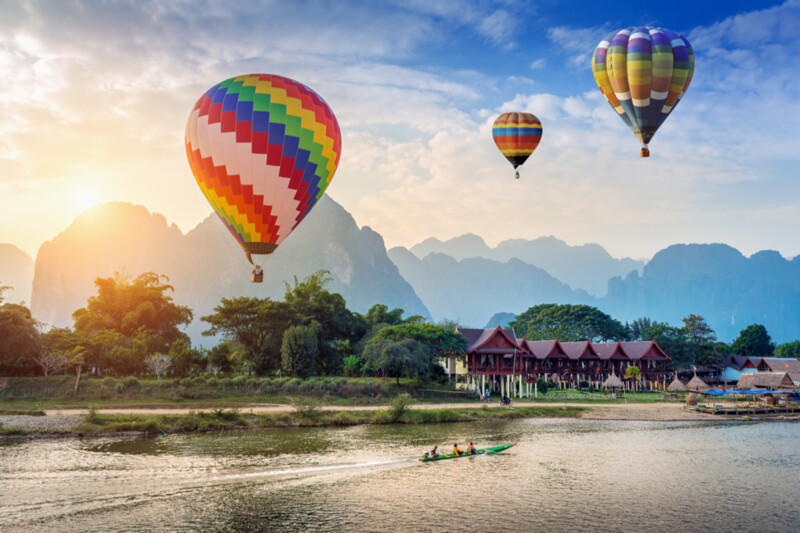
(83, 422)
(94, 423)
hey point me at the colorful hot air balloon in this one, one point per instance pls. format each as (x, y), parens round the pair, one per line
(263, 149)
(517, 135)
(643, 72)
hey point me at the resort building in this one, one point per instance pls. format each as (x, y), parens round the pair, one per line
(500, 362)
(736, 366)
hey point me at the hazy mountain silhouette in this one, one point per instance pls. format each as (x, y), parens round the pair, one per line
(207, 264)
(588, 266)
(472, 290)
(16, 271)
(717, 282)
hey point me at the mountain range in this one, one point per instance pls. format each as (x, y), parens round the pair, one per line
(587, 266)
(206, 263)
(461, 279)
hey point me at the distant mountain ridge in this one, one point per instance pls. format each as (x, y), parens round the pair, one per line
(717, 282)
(207, 264)
(471, 290)
(16, 271)
(587, 266)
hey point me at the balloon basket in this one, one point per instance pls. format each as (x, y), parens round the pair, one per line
(645, 152)
(257, 276)
(516, 176)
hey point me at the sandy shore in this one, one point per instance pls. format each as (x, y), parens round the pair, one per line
(66, 419)
(595, 411)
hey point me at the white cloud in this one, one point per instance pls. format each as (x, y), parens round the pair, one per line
(538, 63)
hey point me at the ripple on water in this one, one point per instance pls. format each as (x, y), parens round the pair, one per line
(564, 475)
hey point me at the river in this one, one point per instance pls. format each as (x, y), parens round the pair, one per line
(564, 475)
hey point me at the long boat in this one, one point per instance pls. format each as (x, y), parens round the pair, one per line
(481, 451)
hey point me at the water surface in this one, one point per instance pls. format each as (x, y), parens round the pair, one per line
(565, 475)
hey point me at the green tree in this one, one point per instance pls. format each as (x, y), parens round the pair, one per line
(673, 341)
(397, 358)
(788, 349)
(300, 349)
(697, 330)
(568, 323)
(314, 303)
(255, 323)
(632, 373)
(219, 358)
(134, 307)
(185, 359)
(20, 342)
(637, 327)
(753, 340)
(438, 340)
(380, 314)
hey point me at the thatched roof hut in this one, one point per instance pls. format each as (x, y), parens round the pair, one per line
(613, 382)
(697, 384)
(765, 380)
(676, 385)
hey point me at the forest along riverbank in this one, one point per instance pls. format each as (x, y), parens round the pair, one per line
(84, 422)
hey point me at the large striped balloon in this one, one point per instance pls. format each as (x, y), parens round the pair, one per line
(643, 72)
(263, 149)
(517, 135)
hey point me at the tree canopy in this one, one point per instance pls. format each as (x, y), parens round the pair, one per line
(788, 349)
(257, 324)
(567, 322)
(396, 359)
(133, 307)
(20, 343)
(753, 340)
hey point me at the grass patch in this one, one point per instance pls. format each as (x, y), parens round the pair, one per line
(21, 411)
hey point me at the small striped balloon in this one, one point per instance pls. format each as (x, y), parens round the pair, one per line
(263, 149)
(517, 135)
(643, 72)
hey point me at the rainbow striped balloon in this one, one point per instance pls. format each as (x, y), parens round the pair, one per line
(263, 149)
(643, 72)
(517, 135)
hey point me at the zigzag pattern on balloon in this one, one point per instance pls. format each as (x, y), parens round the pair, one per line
(517, 135)
(263, 149)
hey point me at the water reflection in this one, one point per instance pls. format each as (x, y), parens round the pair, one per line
(564, 475)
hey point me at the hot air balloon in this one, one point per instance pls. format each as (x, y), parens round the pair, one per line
(643, 72)
(517, 135)
(263, 149)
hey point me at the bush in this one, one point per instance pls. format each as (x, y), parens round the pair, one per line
(343, 418)
(239, 381)
(293, 385)
(186, 382)
(132, 383)
(229, 415)
(307, 408)
(199, 380)
(398, 406)
(120, 388)
(211, 382)
(541, 386)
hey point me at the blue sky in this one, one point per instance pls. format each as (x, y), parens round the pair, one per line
(97, 95)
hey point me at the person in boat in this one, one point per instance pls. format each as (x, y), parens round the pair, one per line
(471, 449)
(434, 452)
(457, 451)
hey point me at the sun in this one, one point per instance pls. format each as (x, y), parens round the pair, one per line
(86, 198)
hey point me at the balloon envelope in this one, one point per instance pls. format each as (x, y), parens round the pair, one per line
(263, 149)
(643, 72)
(517, 135)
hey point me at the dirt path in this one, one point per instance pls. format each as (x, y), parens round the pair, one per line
(606, 411)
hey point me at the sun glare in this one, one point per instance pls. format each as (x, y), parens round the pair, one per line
(87, 198)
